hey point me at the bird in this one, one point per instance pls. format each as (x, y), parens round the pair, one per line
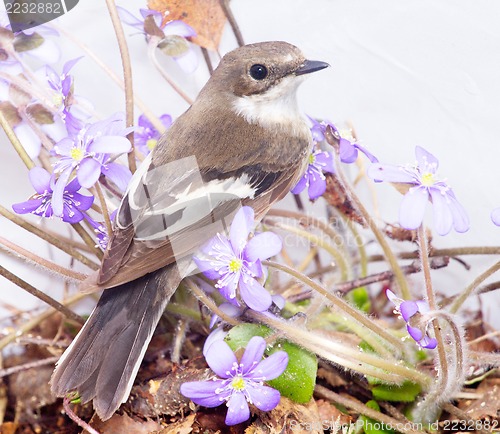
(243, 142)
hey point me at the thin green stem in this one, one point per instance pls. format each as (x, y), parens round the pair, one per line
(388, 253)
(11, 135)
(60, 244)
(40, 295)
(469, 290)
(209, 303)
(152, 45)
(335, 253)
(104, 208)
(127, 77)
(51, 267)
(341, 304)
(138, 102)
(342, 353)
(87, 239)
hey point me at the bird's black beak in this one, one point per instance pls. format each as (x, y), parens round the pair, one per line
(311, 66)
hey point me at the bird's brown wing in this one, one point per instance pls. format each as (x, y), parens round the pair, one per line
(164, 217)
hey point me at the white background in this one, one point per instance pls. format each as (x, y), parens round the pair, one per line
(405, 73)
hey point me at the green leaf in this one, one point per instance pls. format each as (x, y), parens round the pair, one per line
(299, 378)
(406, 392)
(359, 297)
(24, 42)
(372, 426)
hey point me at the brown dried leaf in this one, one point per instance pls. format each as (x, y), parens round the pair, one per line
(486, 407)
(288, 416)
(10, 112)
(161, 396)
(123, 423)
(40, 114)
(184, 426)
(205, 16)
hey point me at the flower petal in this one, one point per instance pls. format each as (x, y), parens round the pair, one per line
(241, 227)
(459, 214)
(82, 202)
(255, 295)
(203, 392)
(408, 309)
(88, 172)
(347, 152)
(30, 141)
(40, 179)
(390, 173)
(263, 246)
(58, 192)
(426, 159)
(325, 160)
(443, 220)
(495, 216)
(317, 187)
(237, 409)
(300, 185)
(415, 333)
(110, 145)
(253, 353)
(27, 206)
(118, 173)
(265, 398)
(217, 335)
(180, 28)
(220, 358)
(412, 210)
(271, 367)
(188, 62)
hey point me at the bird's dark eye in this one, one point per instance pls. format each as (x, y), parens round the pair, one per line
(259, 72)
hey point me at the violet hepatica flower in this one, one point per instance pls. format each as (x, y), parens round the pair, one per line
(88, 153)
(495, 216)
(424, 185)
(235, 262)
(73, 204)
(240, 383)
(348, 147)
(146, 135)
(173, 35)
(63, 97)
(320, 162)
(411, 312)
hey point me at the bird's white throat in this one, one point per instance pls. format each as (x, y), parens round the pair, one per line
(277, 107)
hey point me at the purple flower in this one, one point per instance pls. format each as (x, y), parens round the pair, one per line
(495, 216)
(146, 135)
(424, 186)
(173, 35)
(89, 154)
(63, 98)
(314, 178)
(348, 148)
(235, 262)
(240, 383)
(321, 162)
(100, 230)
(411, 312)
(73, 203)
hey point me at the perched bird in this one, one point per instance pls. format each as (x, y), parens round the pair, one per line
(242, 142)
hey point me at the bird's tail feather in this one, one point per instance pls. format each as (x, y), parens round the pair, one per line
(103, 360)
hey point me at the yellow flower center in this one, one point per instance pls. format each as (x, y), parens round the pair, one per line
(238, 383)
(312, 159)
(77, 154)
(57, 99)
(428, 179)
(151, 143)
(235, 265)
